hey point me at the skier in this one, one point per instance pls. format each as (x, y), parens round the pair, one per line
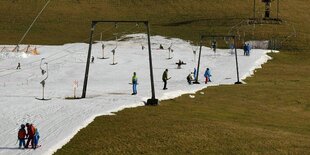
(195, 73)
(92, 59)
(213, 45)
(30, 135)
(165, 79)
(21, 136)
(207, 75)
(161, 47)
(134, 83)
(180, 63)
(36, 138)
(248, 49)
(245, 48)
(190, 78)
(18, 66)
(231, 46)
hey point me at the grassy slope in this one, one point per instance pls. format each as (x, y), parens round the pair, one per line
(269, 115)
(69, 20)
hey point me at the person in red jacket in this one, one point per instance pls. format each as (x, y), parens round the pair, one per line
(21, 136)
(30, 135)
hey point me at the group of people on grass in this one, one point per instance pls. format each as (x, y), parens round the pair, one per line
(31, 134)
(191, 77)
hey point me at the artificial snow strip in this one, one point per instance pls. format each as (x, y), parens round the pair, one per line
(58, 119)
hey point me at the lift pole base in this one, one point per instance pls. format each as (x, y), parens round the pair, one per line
(196, 82)
(152, 102)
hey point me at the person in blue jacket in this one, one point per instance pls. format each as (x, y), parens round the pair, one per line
(245, 48)
(248, 49)
(134, 81)
(232, 47)
(195, 73)
(207, 75)
(36, 138)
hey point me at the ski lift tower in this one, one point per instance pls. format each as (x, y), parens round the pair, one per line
(203, 37)
(152, 100)
(267, 18)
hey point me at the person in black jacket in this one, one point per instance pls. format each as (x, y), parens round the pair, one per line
(165, 79)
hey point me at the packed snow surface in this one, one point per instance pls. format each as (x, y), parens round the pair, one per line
(58, 119)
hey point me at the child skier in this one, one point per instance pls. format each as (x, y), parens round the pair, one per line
(190, 78)
(36, 138)
(21, 136)
(18, 66)
(207, 75)
(92, 59)
(134, 80)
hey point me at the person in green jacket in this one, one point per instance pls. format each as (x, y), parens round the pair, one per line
(134, 81)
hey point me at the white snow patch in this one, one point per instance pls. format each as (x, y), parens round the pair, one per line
(58, 120)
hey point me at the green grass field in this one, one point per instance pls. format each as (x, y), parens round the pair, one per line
(268, 115)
